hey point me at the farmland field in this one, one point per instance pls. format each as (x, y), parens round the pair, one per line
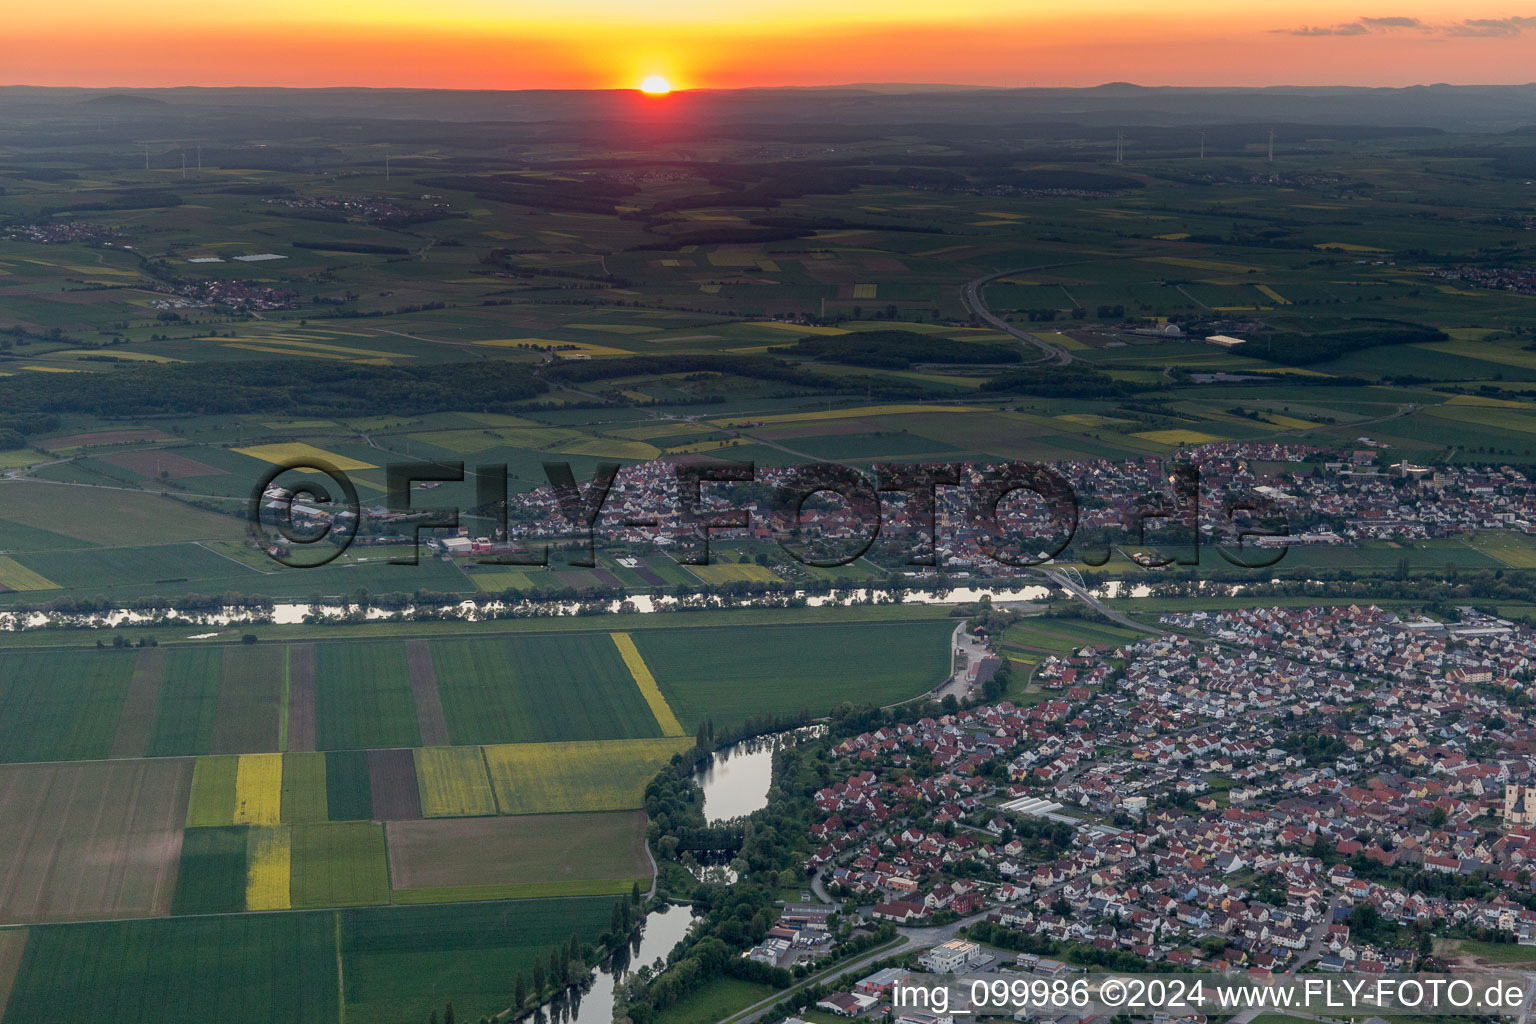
(135, 518)
(188, 702)
(214, 871)
(531, 689)
(730, 674)
(15, 576)
(363, 697)
(61, 706)
(137, 720)
(258, 789)
(90, 840)
(453, 782)
(269, 854)
(241, 969)
(213, 790)
(303, 796)
(476, 856)
(348, 793)
(539, 778)
(250, 700)
(338, 864)
(395, 958)
(1513, 549)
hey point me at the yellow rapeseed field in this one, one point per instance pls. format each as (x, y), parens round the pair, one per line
(15, 576)
(670, 726)
(269, 859)
(259, 789)
(1176, 436)
(292, 450)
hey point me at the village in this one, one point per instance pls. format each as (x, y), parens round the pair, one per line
(1255, 791)
(1279, 495)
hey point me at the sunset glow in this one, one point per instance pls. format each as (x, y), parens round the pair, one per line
(655, 85)
(602, 44)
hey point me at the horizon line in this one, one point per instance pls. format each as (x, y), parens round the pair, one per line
(862, 86)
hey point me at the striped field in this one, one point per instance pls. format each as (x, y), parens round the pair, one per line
(647, 683)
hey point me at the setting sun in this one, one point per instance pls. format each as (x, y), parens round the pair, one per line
(656, 86)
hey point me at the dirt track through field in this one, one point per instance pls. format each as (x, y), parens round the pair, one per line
(301, 697)
(137, 721)
(429, 702)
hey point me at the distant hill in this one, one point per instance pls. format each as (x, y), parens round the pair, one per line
(125, 100)
(1113, 105)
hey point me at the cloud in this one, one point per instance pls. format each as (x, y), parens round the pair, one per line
(1390, 23)
(1478, 28)
(1492, 28)
(1350, 29)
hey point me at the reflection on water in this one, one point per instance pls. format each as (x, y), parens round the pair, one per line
(288, 613)
(713, 874)
(736, 779)
(663, 928)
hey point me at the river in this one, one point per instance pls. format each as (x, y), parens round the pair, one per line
(736, 779)
(283, 614)
(663, 928)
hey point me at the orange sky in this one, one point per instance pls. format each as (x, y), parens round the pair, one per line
(516, 44)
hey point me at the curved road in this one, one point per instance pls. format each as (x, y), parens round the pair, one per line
(1082, 594)
(971, 295)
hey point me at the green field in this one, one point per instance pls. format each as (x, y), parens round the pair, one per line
(211, 879)
(363, 697)
(339, 864)
(714, 1001)
(189, 701)
(535, 689)
(304, 788)
(730, 674)
(213, 791)
(348, 794)
(396, 958)
(61, 707)
(240, 969)
(538, 778)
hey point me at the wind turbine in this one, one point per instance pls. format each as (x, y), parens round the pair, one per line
(1202, 143)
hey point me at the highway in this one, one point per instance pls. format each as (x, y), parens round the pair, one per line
(972, 297)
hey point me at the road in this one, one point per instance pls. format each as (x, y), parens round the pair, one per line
(1060, 579)
(961, 643)
(971, 295)
(928, 935)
